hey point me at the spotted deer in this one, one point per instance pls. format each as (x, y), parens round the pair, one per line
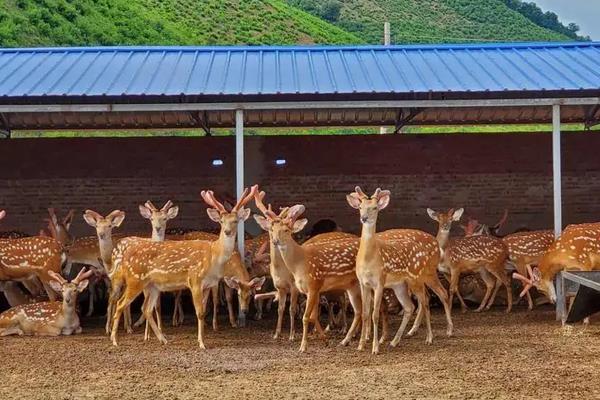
(398, 259)
(51, 318)
(316, 267)
(198, 265)
(485, 255)
(578, 248)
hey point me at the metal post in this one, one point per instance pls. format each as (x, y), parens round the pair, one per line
(386, 41)
(561, 300)
(239, 170)
(556, 170)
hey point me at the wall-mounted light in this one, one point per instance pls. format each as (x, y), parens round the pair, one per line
(217, 162)
(280, 161)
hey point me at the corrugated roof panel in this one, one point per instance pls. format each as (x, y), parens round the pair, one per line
(197, 71)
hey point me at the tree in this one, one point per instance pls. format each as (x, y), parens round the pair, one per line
(330, 10)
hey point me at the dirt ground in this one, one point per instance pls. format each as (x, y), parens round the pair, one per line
(491, 356)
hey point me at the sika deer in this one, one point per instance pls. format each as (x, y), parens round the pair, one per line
(398, 259)
(51, 318)
(485, 255)
(316, 268)
(578, 248)
(197, 265)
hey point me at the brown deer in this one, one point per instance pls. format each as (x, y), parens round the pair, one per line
(578, 248)
(14, 295)
(316, 268)
(51, 318)
(398, 259)
(485, 255)
(197, 265)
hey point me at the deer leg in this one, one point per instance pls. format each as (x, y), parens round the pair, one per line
(34, 286)
(259, 309)
(408, 306)
(355, 301)
(522, 269)
(492, 298)
(454, 280)
(140, 320)
(177, 309)
(344, 312)
(153, 297)
(312, 299)
(315, 320)
(199, 297)
(214, 291)
(489, 281)
(12, 330)
(435, 285)
(282, 295)
(385, 324)
(293, 308)
(131, 292)
(366, 295)
(423, 298)
(418, 320)
(229, 300)
(376, 311)
(127, 320)
(330, 317)
(500, 275)
(91, 295)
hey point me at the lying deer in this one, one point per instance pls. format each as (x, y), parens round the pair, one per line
(398, 259)
(316, 268)
(578, 248)
(485, 255)
(51, 318)
(197, 265)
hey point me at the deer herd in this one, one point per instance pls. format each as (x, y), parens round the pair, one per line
(370, 271)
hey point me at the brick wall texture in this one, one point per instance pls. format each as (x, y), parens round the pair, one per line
(483, 173)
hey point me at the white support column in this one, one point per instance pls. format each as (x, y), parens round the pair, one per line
(556, 170)
(239, 170)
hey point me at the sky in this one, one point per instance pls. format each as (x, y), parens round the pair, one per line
(585, 13)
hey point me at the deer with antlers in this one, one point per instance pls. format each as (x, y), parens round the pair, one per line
(51, 318)
(398, 259)
(485, 255)
(578, 248)
(316, 267)
(197, 265)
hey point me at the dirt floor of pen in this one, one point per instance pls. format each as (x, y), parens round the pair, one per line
(492, 355)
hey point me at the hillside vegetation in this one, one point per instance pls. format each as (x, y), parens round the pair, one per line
(430, 21)
(184, 22)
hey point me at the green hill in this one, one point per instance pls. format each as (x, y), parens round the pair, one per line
(184, 22)
(434, 21)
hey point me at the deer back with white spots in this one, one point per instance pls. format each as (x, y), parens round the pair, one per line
(51, 318)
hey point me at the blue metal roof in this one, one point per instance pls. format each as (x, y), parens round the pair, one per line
(250, 71)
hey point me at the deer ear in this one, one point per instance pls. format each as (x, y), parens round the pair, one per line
(263, 222)
(299, 225)
(232, 282)
(353, 200)
(536, 276)
(432, 214)
(457, 214)
(243, 214)
(82, 285)
(145, 212)
(257, 283)
(383, 201)
(172, 212)
(2, 214)
(89, 218)
(214, 214)
(57, 287)
(117, 219)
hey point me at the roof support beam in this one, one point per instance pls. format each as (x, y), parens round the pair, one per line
(201, 119)
(4, 126)
(295, 105)
(591, 118)
(556, 170)
(405, 116)
(239, 171)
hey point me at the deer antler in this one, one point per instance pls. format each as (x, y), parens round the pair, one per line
(52, 215)
(151, 206)
(167, 205)
(528, 282)
(69, 216)
(267, 212)
(502, 220)
(209, 198)
(246, 197)
(360, 193)
(294, 212)
(82, 275)
(57, 277)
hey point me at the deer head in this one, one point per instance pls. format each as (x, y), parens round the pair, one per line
(70, 290)
(245, 292)
(59, 229)
(228, 219)
(104, 225)
(280, 226)
(537, 280)
(369, 207)
(445, 220)
(158, 218)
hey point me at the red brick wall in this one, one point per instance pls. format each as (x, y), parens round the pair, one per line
(483, 173)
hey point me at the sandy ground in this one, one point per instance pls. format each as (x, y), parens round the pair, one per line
(492, 355)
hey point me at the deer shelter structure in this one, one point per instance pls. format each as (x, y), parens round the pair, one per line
(302, 86)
